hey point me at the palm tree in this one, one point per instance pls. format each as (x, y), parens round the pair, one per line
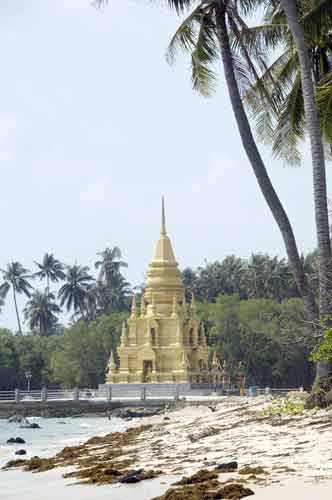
(109, 264)
(267, 277)
(75, 291)
(280, 113)
(51, 269)
(318, 156)
(114, 297)
(41, 311)
(16, 277)
(213, 28)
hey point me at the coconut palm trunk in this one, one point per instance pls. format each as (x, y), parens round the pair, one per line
(259, 169)
(318, 158)
(17, 313)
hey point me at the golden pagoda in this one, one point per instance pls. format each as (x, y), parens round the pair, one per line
(163, 340)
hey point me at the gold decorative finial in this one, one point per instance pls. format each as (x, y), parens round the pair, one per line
(215, 362)
(123, 334)
(203, 336)
(143, 308)
(134, 307)
(193, 304)
(175, 307)
(163, 217)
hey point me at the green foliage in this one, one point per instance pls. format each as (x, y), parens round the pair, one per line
(50, 269)
(74, 293)
(8, 359)
(85, 349)
(41, 311)
(323, 352)
(269, 338)
(287, 407)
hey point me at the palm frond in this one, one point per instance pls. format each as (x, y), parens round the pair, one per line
(290, 126)
(324, 102)
(318, 19)
(205, 53)
(184, 38)
(180, 5)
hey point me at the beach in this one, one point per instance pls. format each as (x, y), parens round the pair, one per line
(286, 455)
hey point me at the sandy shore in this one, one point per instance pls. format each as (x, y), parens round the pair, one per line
(294, 451)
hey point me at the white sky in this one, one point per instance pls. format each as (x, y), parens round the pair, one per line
(95, 127)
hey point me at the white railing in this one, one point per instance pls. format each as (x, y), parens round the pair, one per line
(127, 393)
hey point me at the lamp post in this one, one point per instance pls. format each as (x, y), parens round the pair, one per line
(28, 376)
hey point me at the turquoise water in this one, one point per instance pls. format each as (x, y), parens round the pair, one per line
(54, 435)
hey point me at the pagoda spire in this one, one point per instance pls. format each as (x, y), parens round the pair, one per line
(163, 217)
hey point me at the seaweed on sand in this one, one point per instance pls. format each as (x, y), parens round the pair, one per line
(203, 491)
(101, 460)
(204, 486)
(252, 470)
(201, 476)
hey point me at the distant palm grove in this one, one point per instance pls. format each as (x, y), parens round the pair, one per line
(252, 312)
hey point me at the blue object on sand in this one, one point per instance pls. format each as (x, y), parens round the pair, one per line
(252, 391)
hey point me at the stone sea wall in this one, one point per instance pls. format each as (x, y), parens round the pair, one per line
(62, 409)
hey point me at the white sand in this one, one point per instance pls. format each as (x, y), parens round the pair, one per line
(296, 453)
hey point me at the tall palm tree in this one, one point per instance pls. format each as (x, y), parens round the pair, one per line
(51, 269)
(210, 31)
(317, 153)
(75, 291)
(41, 310)
(109, 264)
(15, 276)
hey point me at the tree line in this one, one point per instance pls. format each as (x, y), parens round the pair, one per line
(269, 338)
(259, 277)
(251, 309)
(85, 296)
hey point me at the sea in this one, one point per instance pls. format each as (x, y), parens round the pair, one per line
(54, 435)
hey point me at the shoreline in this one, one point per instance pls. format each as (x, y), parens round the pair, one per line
(64, 409)
(293, 451)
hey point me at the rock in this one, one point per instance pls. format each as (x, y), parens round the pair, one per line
(227, 467)
(209, 431)
(30, 426)
(19, 440)
(18, 419)
(130, 480)
(167, 418)
(20, 452)
(133, 477)
(135, 412)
